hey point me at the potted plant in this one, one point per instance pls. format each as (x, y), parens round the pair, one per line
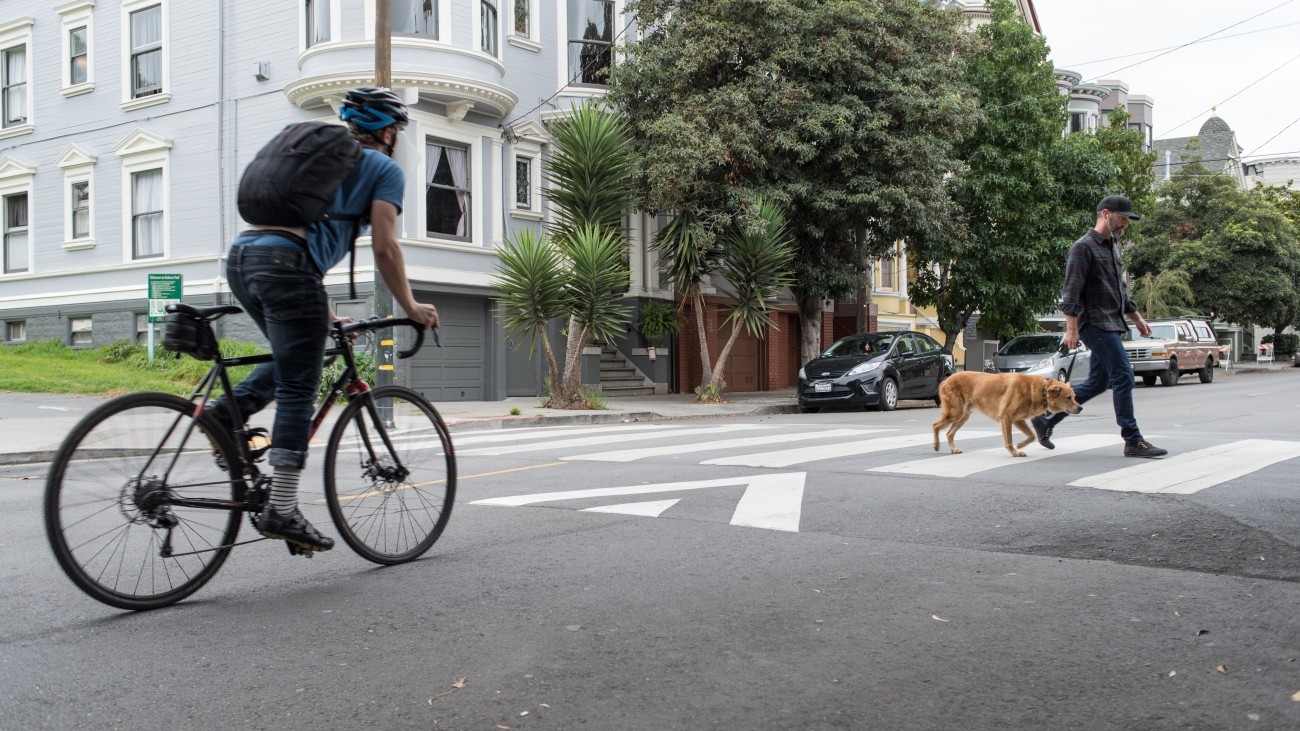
(658, 320)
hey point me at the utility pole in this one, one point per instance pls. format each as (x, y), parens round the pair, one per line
(385, 362)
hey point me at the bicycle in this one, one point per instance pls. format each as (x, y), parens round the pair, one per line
(144, 498)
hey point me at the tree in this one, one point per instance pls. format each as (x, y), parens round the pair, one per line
(1137, 172)
(580, 270)
(842, 113)
(1166, 294)
(1023, 191)
(756, 264)
(689, 254)
(1239, 250)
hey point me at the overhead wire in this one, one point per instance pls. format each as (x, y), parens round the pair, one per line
(1237, 94)
(1165, 48)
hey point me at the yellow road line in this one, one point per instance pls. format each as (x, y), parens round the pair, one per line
(435, 482)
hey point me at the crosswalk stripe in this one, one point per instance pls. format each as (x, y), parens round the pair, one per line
(1184, 474)
(609, 439)
(787, 457)
(969, 463)
(628, 455)
(511, 435)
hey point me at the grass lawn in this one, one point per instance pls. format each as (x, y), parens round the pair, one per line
(112, 370)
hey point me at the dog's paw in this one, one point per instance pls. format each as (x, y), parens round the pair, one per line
(1018, 453)
(956, 450)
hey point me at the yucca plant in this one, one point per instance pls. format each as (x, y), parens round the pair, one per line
(532, 280)
(688, 254)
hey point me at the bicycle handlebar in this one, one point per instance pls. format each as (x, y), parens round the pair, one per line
(379, 323)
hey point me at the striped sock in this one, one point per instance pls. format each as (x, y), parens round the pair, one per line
(284, 490)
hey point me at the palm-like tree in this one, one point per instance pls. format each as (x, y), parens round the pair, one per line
(593, 291)
(1164, 294)
(532, 283)
(688, 255)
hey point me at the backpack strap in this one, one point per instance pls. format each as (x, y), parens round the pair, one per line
(358, 220)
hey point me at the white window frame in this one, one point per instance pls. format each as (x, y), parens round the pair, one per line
(530, 138)
(443, 9)
(81, 325)
(9, 331)
(578, 88)
(336, 19)
(16, 179)
(78, 167)
(477, 28)
(164, 96)
(77, 14)
(13, 34)
(425, 126)
(142, 151)
(532, 41)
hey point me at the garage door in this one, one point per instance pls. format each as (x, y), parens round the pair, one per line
(742, 368)
(455, 371)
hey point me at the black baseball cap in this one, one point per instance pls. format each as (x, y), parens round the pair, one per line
(1119, 204)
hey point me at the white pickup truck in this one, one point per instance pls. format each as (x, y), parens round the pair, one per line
(1176, 348)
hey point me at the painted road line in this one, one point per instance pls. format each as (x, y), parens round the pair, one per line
(1190, 472)
(628, 455)
(651, 509)
(511, 435)
(969, 463)
(621, 436)
(787, 457)
(774, 502)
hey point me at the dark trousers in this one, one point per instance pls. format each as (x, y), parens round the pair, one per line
(1109, 368)
(280, 288)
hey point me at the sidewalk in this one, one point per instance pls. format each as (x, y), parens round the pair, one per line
(33, 425)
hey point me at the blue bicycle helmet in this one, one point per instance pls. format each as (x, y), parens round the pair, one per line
(373, 108)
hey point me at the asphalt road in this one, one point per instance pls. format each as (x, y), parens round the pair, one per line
(824, 571)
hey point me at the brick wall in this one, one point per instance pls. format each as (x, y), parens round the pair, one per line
(776, 347)
(689, 370)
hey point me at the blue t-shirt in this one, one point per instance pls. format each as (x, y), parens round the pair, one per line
(376, 177)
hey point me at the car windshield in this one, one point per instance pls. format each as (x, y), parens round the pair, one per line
(865, 344)
(1159, 332)
(1032, 345)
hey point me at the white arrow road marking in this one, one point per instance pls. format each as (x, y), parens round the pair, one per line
(651, 509)
(968, 463)
(627, 455)
(787, 457)
(608, 439)
(1184, 474)
(770, 501)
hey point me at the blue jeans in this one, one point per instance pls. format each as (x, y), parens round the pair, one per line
(280, 288)
(1109, 367)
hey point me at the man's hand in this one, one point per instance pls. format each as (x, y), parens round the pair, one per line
(1143, 328)
(1072, 337)
(426, 315)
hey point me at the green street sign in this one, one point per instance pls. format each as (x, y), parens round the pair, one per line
(164, 289)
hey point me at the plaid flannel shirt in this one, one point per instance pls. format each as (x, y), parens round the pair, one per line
(1094, 289)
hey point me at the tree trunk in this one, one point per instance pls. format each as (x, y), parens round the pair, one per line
(717, 384)
(572, 386)
(810, 328)
(553, 382)
(697, 304)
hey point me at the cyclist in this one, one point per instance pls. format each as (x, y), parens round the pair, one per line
(276, 273)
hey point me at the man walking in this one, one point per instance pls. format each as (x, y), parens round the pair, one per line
(1095, 301)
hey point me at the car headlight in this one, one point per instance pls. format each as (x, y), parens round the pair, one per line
(802, 376)
(861, 368)
(1044, 363)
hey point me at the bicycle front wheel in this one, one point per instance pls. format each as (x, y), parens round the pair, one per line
(390, 475)
(138, 509)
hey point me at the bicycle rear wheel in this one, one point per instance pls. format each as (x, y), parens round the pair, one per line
(390, 482)
(123, 497)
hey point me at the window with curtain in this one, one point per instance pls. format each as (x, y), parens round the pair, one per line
(13, 86)
(488, 25)
(146, 214)
(887, 273)
(82, 329)
(81, 209)
(415, 18)
(77, 56)
(447, 192)
(521, 18)
(591, 40)
(523, 182)
(318, 21)
(15, 233)
(146, 52)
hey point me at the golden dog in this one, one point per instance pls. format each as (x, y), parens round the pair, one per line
(1007, 398)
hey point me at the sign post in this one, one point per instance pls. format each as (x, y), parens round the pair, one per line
(164, 289)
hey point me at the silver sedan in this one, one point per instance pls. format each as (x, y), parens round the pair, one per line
(1040, 355)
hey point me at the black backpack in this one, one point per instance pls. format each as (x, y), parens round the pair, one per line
(293, 178)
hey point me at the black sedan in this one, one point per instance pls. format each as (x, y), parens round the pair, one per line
(875, 369)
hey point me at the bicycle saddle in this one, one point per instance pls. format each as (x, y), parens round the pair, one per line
(205, 313)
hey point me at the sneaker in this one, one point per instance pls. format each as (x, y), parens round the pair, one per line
(293, 528)
(1143, 448)
(1043, 430)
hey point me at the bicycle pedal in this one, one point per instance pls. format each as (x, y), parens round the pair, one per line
(259, 442)
(297, 550)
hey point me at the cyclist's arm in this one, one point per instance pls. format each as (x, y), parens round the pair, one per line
(392, 264)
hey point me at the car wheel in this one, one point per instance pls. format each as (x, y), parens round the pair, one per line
(1148, 379)
(1060, 376)
(1207, 373)
(1169, 377)
(888, 395)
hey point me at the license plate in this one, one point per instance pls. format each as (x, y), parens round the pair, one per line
(822, 387)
